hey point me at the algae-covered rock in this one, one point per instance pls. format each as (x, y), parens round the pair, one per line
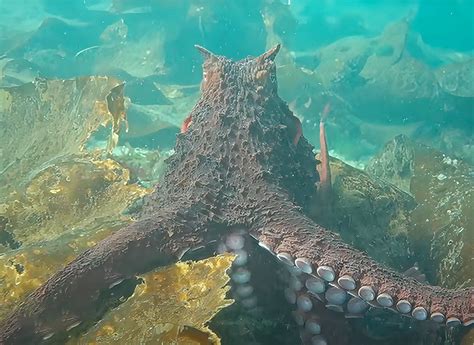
(408, 78)
(394, 163)
(56, 199)
(371, 214)
(145, 166)
(80, 194)
(441, 230)
(457, 79)
(399, 93)
(387, 49)
(444, 218)
(392, 76)
(341, 62)
(46, 121)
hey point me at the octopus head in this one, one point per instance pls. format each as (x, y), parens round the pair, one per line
(250, 75)
(243, 95)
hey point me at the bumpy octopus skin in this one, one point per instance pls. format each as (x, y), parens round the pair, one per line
(239, 163)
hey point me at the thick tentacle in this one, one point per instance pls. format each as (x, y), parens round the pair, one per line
(70, 298)
(295, 239)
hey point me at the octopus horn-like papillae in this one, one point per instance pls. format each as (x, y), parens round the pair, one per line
(207, 54)
(269, 55)
(333, 261)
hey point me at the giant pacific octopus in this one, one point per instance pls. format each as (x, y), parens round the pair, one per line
(241, 170)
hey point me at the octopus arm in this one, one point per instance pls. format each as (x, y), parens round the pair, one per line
(298, 241)
(72, 296)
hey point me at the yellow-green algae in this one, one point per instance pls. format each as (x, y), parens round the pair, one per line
(171, 307)
(47, 121)
(56, 199)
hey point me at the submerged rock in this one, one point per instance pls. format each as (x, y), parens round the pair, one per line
(387, 49)
(457, 78)
(48, 121)
(341, 62)
(371, 214)
(400, 93)
(15, 72)
(441, 230)
(394, 163)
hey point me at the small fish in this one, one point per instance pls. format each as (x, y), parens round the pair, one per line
(85, 50)
(137, 10)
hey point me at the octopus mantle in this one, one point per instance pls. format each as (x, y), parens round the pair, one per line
(240, 164)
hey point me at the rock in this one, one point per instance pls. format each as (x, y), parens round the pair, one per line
(369, 213)
(15, 72)
(443, 221)
(394, 163)
(441, 228)
(387, 49)
(401, 93)
(457, 78)
(32, 115)
(341, 62)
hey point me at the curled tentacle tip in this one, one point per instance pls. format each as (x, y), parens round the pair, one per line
(325, 112)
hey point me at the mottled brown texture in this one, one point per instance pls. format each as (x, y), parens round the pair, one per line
(235, 166)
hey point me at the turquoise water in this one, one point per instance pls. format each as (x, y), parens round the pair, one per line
(146, 42)
(383, 70)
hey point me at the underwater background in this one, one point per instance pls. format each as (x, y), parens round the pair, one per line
(94, 92)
